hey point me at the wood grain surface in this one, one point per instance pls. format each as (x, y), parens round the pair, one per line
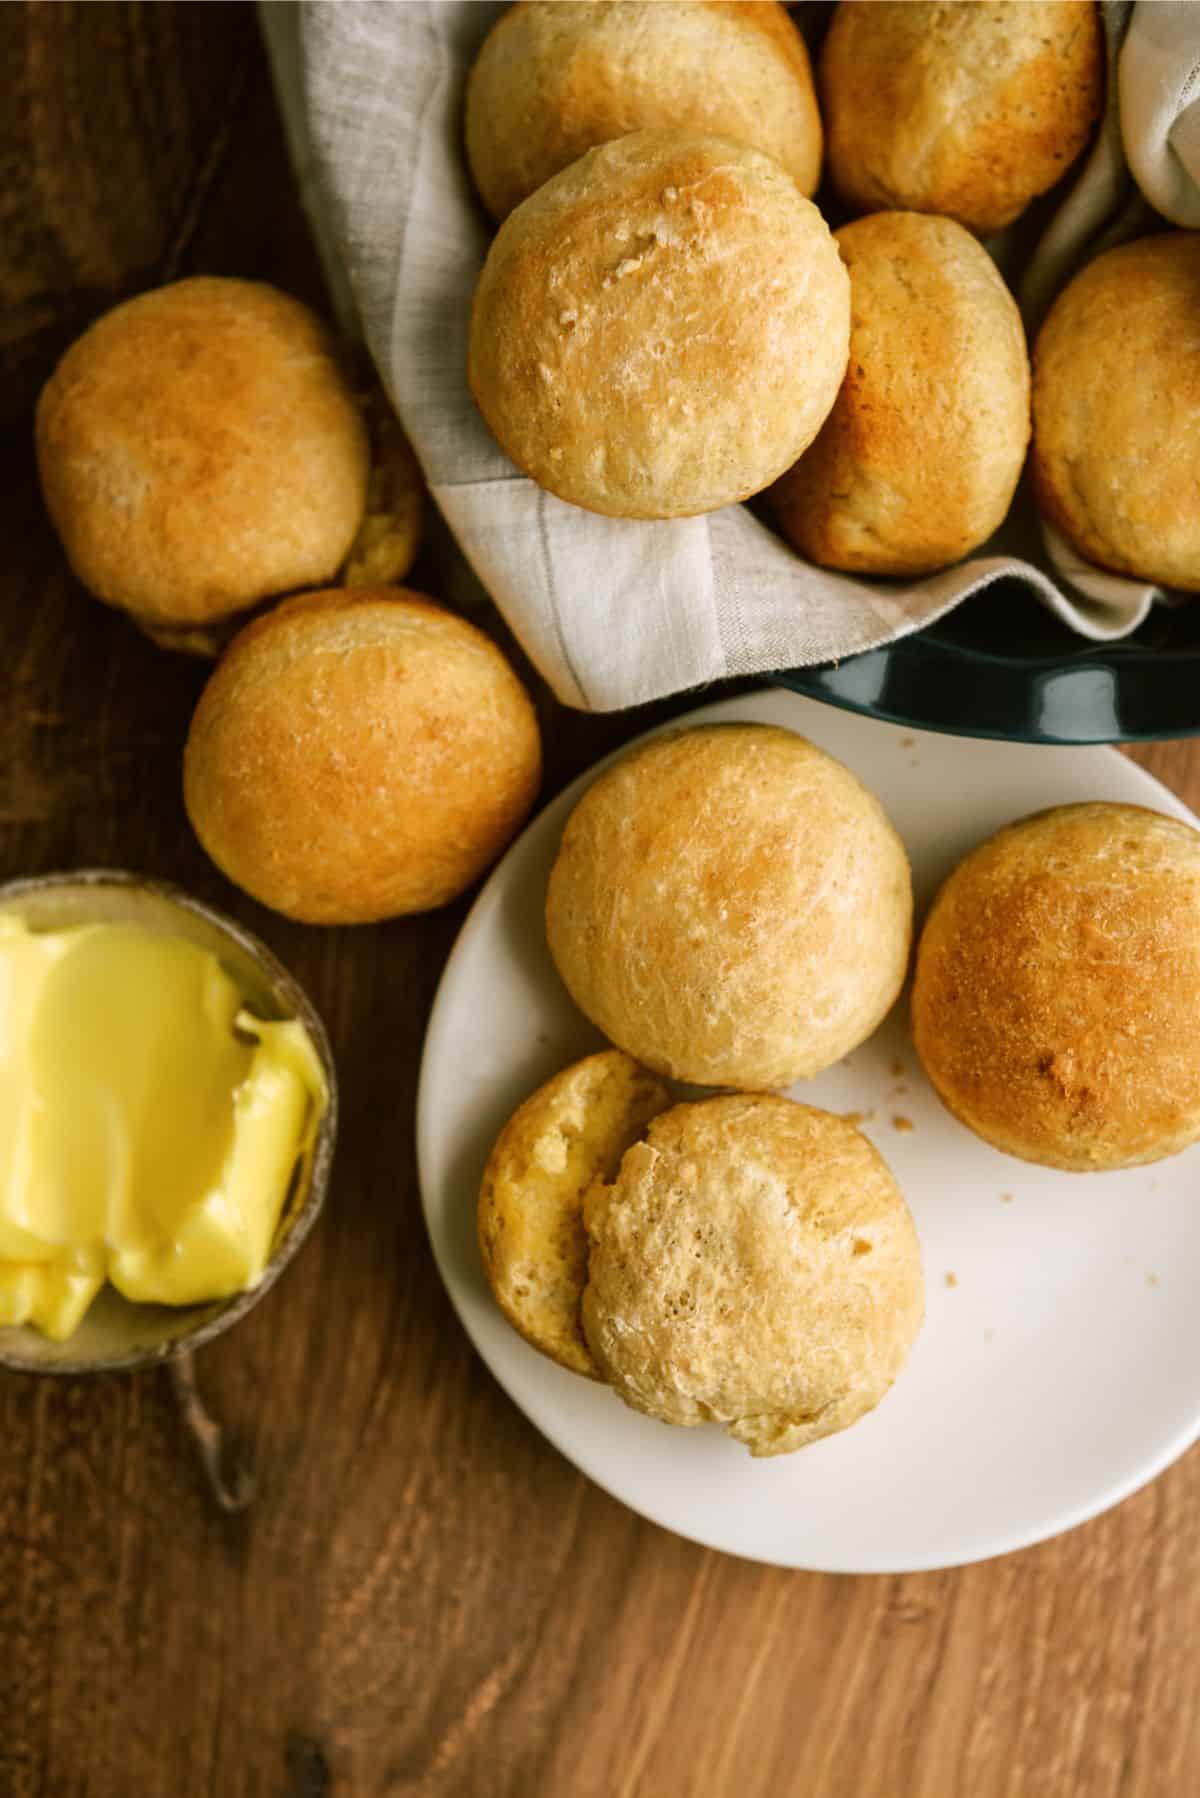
(425, 1599)
(116, 119)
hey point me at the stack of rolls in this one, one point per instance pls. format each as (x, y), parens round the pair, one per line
(874, 385)
(733, 909)
(359, 752)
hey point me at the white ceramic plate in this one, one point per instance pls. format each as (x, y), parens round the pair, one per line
(1059, 1365)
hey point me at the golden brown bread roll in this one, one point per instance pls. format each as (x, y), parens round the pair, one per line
(969, 108)
(731, 906)
(918, 461)
(618, 357)
(1116, 411)
(394, 520)
(1058, 985)
(359, 754)
(570, 1133)
(552, 81)
(200, 450)
(754, 1264)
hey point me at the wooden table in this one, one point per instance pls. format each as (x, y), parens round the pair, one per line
(425, 1599)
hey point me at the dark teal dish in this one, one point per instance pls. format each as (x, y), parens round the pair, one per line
(1000, 665)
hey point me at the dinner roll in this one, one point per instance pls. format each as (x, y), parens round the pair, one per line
(359, 754)
(661, 328)
(969, 108)
(200, 450)
(570, 1133)
(754, 1264)
(731, 906)
(390, 533)
(918, 461)
(552, 81)
(1116, 411)
(1058, 985)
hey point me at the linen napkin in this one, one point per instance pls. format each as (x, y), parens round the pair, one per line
(616, 612)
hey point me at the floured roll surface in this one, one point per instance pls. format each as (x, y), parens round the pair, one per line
(1058, 985)
(359, 754)
(553, 81)
(917, 463)
(753, 1264)
(200, 449)
(1116, 407)
(662, 328)
(963, 107)
(731, 906)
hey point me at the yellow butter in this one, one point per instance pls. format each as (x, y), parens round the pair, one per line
(149, 1124)
(50, 1295)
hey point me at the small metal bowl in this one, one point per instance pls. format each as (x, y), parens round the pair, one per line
(117, 1335)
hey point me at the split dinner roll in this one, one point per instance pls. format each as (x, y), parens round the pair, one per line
(752, 1264)
(731, 906)
(359, 754)
(552, 81)
(969, 108)
(1116, 411)
(200, 450)
(918, 461)
(662, 328)
(567, 1135)
(1058, 985)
